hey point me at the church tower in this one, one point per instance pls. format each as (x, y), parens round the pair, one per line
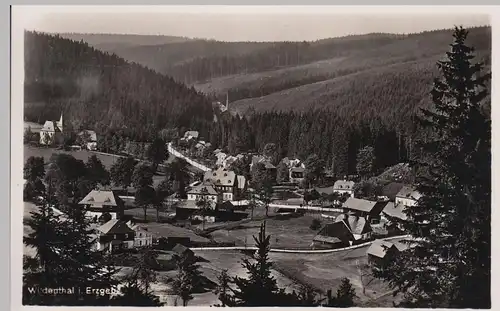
(60, 122)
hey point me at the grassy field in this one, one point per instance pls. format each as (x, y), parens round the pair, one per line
(46, 153)
(286, 232)
(107, 160)
(325, 271)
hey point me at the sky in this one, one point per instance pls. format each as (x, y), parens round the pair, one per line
(239, 23)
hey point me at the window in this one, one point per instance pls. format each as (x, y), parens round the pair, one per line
(140, 242)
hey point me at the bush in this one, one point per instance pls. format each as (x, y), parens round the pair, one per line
(315, 224)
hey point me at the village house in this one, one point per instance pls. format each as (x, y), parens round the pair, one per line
(407, 196)
(181, 250)
(114, 235)
(334, 235)
(344, 186)
(262, 159)
(359, 227)
(225, 182)
(363, 208)
(102, 204)
(382, 252)
(52, 132)
(392, 210)
(206, 190)
(88, 139)
(142, 238)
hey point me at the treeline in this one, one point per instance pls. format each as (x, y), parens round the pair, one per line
(97, 90)
(336, 140)
(290, 54)
(279, 55)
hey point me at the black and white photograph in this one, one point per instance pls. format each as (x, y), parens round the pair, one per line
(252, 156)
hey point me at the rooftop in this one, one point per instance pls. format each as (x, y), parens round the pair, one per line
(379, 248)
(115, 226)
(100, 198)
(408, 192)
(343, 185)
(203, 187)
(395, 210)
(357, 225)
(337, 230)
(220, 177)
(359, 205)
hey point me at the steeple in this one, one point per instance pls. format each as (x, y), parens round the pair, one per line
(60, 122)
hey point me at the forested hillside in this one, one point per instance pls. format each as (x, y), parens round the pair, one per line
(418, 48)
(103, 91)
(110, 42)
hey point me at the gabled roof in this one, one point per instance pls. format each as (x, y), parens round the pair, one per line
(115, 226)
(380, 248)
(395, 210)
(220, 177)
(357, 225)
(98, 198)
(359, 205)
(199, 188)
(343, 185)
(409, 192)
(181, 249)
(391, 190)
(338, 230)
(226, 205)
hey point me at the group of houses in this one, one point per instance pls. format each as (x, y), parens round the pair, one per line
(219, 188)
(192, 138)
(51, 134)
(362, 220)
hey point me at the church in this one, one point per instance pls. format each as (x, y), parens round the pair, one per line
(52, 132)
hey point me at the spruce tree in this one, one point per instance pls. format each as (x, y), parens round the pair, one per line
(65, 258)
(188, 278)
(260, 288)
(448, 263)
(137, 285)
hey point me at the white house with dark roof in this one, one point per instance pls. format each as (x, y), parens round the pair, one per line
(142, 237)
(407, 196)
(225, 183)
(344, 186)
(101, 203)
(51, 132)
(203, 190)
(114, 235)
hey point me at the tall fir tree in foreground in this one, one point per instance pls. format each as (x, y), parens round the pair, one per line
(260, 288)
(137, 285)
(64, 258)
(449, 262)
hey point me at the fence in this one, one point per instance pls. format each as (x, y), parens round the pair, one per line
(296, 251)
(307, 208)
(176, 153)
